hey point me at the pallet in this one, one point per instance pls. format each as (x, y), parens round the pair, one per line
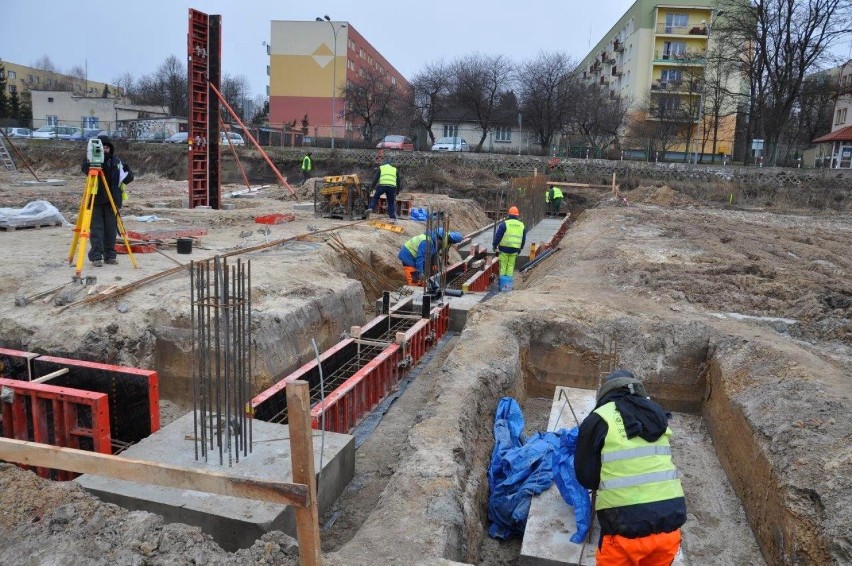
(9, 228)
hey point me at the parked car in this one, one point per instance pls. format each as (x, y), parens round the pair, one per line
(19, 132)
(450, 144)
(228, 138)
(180, 137)
(396, 142)
(152, 137)
(85, 135)
(55, 132)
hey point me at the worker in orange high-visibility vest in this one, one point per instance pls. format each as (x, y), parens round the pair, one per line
(508, 241)
(623, 452)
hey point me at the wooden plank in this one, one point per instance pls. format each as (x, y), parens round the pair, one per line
(302, 456)
(580, 185)
(141, 471)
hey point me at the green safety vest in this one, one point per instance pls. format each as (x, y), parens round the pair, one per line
(414, 243)
(306, 164)
(387, 175)
(633, 470)
(557, 193)
(514, 234)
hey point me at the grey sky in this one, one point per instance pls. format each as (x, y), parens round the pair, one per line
(136, 36)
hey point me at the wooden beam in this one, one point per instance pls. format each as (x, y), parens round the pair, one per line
(579, 185)
(141, 471)
(302, 456)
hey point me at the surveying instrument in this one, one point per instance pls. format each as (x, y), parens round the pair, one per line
(82, 231)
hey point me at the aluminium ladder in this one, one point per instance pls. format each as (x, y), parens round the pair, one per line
(5, 158)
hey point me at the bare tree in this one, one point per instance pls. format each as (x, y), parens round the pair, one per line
(235, 91)
(167, 86)
(598, 115)
(812, 115)
(374, 102)
(78, 72)
(785, 40)
(431, 88)
(478, 83)
(660, 127)
(547, 89)
(45, 64)
(720, 72)
(125, 84)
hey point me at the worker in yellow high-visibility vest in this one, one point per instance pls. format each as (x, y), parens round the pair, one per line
(623, 452)
(509, 240)
(387, 182)
(553, 200)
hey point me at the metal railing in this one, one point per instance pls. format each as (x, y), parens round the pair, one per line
(688, 29)
(687, 57)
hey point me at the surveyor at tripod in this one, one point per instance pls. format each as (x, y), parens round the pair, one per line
(553, 200)
(509, 240)
(413, 253)
(623, 452)
(104, 226)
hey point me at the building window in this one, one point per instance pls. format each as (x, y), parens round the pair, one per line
(13, 89)
(671, 76)
(350, 64)
(668, 105)
(361, 53)
(673, 49)
(52, 120)
(89, 121)
(502, 134)
(393, 81)
(675, 21)
(451, 130)
(50, 99)
(11, 75)
(840, 116)
(351, 45)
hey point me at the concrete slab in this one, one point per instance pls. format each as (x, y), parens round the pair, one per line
(550, 524)
(233, 522)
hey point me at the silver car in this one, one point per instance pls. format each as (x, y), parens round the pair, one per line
(19, 132)
(450, 144)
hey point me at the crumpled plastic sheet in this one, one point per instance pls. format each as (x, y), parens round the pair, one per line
(521, 468)
(418, 214)
(33, 213)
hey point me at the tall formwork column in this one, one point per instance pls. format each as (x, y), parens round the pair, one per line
(203, 67)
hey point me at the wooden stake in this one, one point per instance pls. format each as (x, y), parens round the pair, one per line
(302, 456)
(141, 471)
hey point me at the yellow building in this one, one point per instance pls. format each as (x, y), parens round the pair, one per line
(21, 79)
(655, 58)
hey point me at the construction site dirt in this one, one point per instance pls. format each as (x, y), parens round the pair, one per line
(739, 320)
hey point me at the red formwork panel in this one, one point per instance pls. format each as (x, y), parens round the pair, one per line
(417, 343)
(440, 321)
(61, 416)
(354, 398)
(16, 364)
(482, 279)
(403, 206)
(558, 235)
(134, 393)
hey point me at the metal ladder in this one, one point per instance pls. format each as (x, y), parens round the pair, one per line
(5, 158)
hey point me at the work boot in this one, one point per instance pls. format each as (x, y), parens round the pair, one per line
(112, 261)
(98, 262)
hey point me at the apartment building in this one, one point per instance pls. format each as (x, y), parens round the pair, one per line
(310, 64)
(655, 59)
(840, 136)
(21, 79)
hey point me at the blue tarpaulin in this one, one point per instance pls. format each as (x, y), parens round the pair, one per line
(522, 467)
(418, 214)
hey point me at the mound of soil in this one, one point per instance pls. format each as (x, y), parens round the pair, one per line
(661, 196)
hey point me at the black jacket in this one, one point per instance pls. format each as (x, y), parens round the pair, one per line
(642, 417)
(112, 173)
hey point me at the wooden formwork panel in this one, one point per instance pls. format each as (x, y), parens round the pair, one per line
(60, 416)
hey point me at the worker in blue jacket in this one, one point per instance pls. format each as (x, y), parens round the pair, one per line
(509, 240)
(413, 253)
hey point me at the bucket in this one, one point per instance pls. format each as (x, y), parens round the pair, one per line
(184, 245)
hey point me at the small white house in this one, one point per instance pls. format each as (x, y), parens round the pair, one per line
(501, 139)
(59, 107)
(840, 137)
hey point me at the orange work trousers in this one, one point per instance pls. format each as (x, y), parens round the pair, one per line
(409, 275)
(652, 550)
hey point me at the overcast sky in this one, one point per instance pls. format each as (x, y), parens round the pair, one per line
(116, 36)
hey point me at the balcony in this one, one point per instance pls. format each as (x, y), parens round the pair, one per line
(604, 57)
(616, 72)
(680, 87)
(617, 46)
(686, 58)
(669, 114)
(604, 80)
(611, 61)
(688, 29)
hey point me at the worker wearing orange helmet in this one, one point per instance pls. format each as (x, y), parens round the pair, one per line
(509, 240)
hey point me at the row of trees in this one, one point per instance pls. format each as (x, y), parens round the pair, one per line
(764, 52)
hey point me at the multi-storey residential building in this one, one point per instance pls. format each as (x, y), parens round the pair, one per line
(310, 63)
(21, 79)
(840, 137)
(655, 59)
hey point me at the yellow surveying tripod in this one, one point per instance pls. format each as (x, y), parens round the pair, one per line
(82, 230)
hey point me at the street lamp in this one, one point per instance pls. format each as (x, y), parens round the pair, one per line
(334, 31)
(704, 78)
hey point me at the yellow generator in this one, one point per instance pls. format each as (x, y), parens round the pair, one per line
(341, 196)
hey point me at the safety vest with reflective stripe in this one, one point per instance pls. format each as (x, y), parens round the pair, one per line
(556, 194)
(307, 164)
(514, 234)
(633, 470)
(414, 243)
(387, 175)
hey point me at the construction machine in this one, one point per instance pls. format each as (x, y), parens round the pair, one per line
(343, 197)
